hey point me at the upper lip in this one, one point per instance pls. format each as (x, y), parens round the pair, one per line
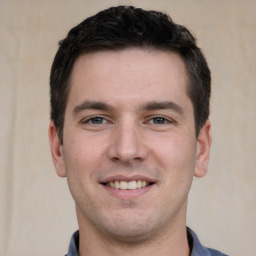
(127, 178)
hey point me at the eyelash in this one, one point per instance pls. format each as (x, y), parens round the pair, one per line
(91, 119)
(151, 120)
(164, 119)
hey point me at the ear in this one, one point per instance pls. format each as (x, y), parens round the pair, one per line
(204, 141)
(56, 150)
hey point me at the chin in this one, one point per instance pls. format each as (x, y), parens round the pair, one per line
(128, 228)
(130, 235)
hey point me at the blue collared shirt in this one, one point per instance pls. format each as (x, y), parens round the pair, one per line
(196, 248)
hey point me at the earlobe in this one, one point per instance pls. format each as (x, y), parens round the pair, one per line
(56, 150)
(203, 150)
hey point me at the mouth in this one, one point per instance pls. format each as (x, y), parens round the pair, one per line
(128, 185)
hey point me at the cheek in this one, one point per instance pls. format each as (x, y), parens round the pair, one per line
(80, 164)
(175, 154)
(83, 153)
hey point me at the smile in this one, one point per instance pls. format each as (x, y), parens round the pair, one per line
(124, 185)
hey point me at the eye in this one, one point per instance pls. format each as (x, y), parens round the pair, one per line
(159, 120)
(95, 120)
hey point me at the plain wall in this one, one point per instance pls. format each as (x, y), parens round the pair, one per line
(37, 215)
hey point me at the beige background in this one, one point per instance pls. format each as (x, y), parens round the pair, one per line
(36, 211)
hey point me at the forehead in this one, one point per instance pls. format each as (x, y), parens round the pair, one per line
(126, 74)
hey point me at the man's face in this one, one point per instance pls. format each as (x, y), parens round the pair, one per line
(129, 150)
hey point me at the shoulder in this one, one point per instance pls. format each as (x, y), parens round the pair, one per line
(214, 252)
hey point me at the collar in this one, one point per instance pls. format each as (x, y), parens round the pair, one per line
(197, 249)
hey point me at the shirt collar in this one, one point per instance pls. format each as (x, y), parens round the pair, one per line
(196, 247)
(74, 245)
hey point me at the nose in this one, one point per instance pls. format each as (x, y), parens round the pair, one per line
(127, 144)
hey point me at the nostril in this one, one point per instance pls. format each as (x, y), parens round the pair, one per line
(126, 159)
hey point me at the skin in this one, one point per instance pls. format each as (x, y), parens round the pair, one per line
(128, 116)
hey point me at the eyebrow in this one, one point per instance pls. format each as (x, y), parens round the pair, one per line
(92, 105)
(150, 106)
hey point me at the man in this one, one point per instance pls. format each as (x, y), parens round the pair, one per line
(129, 129)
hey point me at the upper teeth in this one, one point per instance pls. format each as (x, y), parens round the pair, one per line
(127, 185)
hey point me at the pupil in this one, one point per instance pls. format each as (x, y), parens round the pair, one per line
(159, 120)
(97, 120)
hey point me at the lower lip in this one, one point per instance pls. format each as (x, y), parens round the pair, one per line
(128, 193)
